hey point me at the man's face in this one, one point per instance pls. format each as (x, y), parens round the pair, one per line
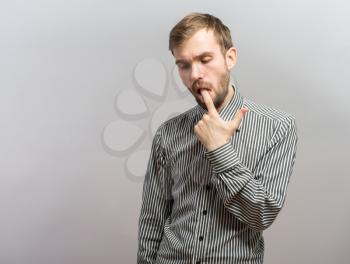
(202, 65)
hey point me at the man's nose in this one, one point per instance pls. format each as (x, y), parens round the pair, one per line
(196, 72)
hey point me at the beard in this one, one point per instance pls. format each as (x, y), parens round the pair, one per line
(221, 92)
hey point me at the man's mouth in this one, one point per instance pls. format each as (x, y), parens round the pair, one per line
(199, 93)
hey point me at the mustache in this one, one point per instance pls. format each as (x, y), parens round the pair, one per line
(200, 84)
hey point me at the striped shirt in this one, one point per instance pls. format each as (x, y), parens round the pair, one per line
(202, 206)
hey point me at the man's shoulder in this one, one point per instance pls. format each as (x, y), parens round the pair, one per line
(177, 121)
(265, 112)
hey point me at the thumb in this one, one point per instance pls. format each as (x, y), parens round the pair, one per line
(237, 119)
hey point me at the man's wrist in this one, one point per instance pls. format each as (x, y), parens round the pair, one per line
(223, 157)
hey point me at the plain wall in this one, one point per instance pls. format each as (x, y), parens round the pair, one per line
(73, 152)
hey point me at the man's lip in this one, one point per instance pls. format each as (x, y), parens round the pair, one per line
(199, 90)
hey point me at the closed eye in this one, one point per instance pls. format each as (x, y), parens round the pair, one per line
(206, 60)
(183, 65)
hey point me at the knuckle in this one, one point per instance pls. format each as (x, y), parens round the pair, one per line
(206, 117)
(235, 125)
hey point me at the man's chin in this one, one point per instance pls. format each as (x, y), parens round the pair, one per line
(203, 105)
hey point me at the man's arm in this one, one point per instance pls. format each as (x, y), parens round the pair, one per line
(256, 198)
(156, 205)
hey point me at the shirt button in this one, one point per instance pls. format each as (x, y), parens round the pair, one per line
(198, 262)
(204, 212)
(207, 187)
(200, 238)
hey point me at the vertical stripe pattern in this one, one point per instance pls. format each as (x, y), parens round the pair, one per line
(202, 206)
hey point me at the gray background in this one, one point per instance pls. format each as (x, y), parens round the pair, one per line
(67, 191)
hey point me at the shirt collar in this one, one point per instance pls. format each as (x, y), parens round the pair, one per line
(229, 110)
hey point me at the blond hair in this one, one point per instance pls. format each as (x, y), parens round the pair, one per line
(193, 22)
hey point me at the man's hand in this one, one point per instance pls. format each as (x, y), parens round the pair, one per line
(211, 130)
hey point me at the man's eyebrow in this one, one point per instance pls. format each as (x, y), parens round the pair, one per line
(180, 61)
(206, 53)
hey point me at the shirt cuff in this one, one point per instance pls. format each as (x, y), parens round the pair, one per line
(222, 158)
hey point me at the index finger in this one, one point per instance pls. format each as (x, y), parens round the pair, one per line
(208, 101)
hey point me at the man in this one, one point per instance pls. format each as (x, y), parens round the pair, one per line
(218, 173)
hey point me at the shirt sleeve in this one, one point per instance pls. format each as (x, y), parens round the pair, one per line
(256, 197)
(156, 205)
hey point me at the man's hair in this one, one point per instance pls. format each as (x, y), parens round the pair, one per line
(193, 22)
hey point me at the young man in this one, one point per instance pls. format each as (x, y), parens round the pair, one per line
(218, 173)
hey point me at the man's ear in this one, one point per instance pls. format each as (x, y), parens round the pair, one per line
(231, 57)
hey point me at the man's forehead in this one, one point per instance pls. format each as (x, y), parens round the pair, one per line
(204, 40)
